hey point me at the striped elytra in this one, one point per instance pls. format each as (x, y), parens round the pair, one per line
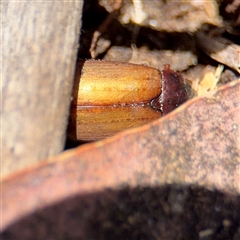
(109, 97)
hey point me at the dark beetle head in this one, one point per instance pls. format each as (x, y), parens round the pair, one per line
(173, 91)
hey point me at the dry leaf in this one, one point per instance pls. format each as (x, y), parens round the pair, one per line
(197, 144)
(209, 80)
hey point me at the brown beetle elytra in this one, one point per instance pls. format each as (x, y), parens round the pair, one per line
(105, 83)
(109, 97)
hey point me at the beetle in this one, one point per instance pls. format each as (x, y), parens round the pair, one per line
(109, 97)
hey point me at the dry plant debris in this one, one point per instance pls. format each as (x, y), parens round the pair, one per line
(184, 34)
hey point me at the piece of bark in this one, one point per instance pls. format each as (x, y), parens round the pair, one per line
(220, 49)
(155, 59)
(170, 16)
(40, 43)
(197, 144)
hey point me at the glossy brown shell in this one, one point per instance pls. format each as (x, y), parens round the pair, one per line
(109, 97)
(109, 83)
